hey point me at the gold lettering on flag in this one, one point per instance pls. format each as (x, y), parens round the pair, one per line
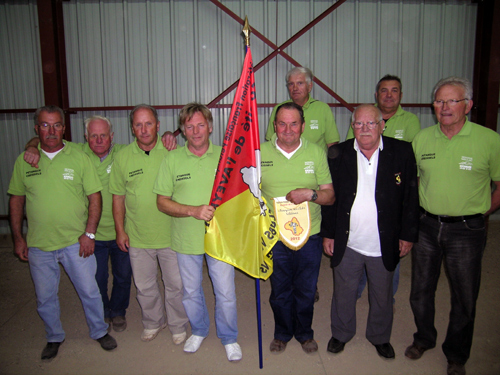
(294, 222)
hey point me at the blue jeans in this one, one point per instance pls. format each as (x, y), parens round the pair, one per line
(293, 285)
(395, 283)
(222, 276)
(461, 246)
(45, 272)
(122, 277)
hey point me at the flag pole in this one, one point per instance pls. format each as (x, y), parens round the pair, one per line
(246, 32)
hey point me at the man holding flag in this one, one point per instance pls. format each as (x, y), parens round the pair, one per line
(297, 171)
(183, 185)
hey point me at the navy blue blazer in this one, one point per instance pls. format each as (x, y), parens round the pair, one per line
(396, 197)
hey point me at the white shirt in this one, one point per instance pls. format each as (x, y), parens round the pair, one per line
(363, 232)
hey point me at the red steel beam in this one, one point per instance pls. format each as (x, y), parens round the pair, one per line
(279, 50)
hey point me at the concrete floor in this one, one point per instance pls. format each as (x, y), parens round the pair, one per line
(22, 336)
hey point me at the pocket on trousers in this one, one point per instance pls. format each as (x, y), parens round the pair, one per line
(477, 223)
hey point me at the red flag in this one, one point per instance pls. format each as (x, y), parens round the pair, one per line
(242, 232)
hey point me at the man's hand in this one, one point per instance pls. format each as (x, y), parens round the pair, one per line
(328, 245)
(21, 248)
(404, 247)
(203, 212)
(32, 156)
(169, 141)
(122, 241)
(298, 196)
(86, 246)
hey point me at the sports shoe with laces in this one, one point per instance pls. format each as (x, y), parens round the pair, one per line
(178, 338)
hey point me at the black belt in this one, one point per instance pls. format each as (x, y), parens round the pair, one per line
(449, 219)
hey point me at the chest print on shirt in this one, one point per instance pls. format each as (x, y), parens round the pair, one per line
(313, 125)
(399, 134)
(68, 174)
(309, 168)
(108, 169)
(466, 163)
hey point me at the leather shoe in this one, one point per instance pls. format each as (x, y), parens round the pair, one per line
(309, 346)
(415, 351)
(335, 346)
(107, 342)
(119, 323)
(455, 369)
(277, 346)
(50, 350)
(385, 350)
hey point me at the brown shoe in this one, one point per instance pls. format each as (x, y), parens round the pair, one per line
(455, 369)
(415, 351)
(119, 323)
(277, 346)
(309, 346)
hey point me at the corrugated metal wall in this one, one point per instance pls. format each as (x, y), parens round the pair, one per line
(123, 53)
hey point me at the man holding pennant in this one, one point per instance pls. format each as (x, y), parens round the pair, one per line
(295, 175)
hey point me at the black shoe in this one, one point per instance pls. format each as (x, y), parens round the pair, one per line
(385, 350)
(50, 350)
(415, 351)
(455, 369)
(335, 346)
(107, 342)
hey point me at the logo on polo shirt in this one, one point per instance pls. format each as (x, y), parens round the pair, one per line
(313, 125)
(309, 168)
(135, 173)
(33, 173)
(68, 174)
(180, 177)
(108, 169)
(466, 163)
(399, 134)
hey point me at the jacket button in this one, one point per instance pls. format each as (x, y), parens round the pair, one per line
(346, 232)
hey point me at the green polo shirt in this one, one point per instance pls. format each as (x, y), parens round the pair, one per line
(188, 179)
(106, 228)
(320, 125)
(56, 196)
(456, 174)
(133, 175)
(307, 168)
(402, 125)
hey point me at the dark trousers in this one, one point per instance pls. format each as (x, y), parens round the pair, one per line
(461, 246)
(346, 281)
(122, 277)
(293, 285)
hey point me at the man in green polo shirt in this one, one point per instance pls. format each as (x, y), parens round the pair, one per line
(294, 168)
(63, 205)
(101, 150)
(457, 160)
(320, 127)
(399, 124)
(143, 231)
(184, 184)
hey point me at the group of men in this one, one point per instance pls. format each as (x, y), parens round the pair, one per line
(153, 198)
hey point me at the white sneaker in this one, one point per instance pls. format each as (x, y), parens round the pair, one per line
(193, 343)
(179, 338)
(150, 334)
(233, 352)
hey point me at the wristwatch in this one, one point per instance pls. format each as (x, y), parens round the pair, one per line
(90, 235)
(314, 196)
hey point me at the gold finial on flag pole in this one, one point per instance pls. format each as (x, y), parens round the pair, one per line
(246, 31)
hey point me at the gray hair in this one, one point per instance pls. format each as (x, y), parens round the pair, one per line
(97, 117)
(48, 109)
(362, 106)
(142, 106)
(300, 70)
(454, 81)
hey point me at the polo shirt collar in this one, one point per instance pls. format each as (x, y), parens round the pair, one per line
(465, 131)
(158, 144)
(209, 151)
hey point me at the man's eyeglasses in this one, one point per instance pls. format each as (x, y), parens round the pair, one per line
(449, 102)
(56, 126)
(369, 124)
